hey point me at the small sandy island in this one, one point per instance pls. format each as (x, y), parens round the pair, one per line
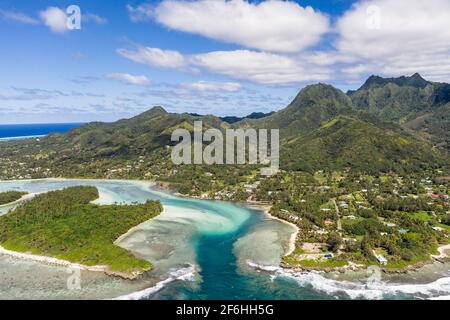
(103, 199)
(67, 264)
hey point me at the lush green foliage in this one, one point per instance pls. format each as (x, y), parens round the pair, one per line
(10, 196)
(397, 217)
(418, 104)
(347, 142)
(64, 224)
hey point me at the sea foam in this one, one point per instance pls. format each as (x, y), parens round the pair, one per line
(439, 289)
(183, 274)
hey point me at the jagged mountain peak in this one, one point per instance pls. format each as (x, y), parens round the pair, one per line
(416, 81)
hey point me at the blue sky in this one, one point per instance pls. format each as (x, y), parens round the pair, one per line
(210, 57)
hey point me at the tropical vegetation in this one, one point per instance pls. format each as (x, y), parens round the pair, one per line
(65, 224)
(10, 196)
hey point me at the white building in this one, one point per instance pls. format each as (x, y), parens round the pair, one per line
(381, 260)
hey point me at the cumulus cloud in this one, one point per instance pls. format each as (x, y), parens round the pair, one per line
(155, 57)
(213, 86)
(55, 19)
(272, 25)
(17, 17)
(259, 67)
(405, 25)
(397, 37)
(129, 79)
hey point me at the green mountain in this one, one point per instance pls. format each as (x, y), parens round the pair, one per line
(95, 148)
(435, 125)
(310, 108)
(253, 115)
(349, 142)
(386, 125)
(234, 119)
(415, 81)
(321, 129)
(139, 135)
(411, 101)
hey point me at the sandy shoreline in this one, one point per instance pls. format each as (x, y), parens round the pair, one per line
(266, 210)
(51, 261)
(72, 265)
(132, 230)
(293, 239)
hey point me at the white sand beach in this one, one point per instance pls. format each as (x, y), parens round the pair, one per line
(293, 238)
(51, 261)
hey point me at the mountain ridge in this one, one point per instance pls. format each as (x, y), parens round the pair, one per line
(317, 114)
(408, 101)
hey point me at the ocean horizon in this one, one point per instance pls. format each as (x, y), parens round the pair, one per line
(34, 130)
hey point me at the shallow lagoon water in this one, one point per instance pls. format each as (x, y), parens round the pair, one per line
(200, 250)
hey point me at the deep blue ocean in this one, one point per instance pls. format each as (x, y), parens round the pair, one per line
(33, 130)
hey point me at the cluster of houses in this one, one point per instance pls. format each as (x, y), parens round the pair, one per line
(290, 216)
(19, 170)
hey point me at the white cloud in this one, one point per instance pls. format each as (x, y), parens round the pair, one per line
(413, 36)
(129, 79)
(260, 67)
(155, 57)
(140, 13)
(272, 25)
(17, 17)
(90, 17)
(55, 19)
(213, 86)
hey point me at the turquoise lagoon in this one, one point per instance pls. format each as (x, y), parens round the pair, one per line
(201, 250)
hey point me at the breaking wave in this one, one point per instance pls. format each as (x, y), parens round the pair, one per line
(437, 290)
(184, 274)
